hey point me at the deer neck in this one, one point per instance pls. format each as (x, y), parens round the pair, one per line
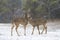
(26, 18)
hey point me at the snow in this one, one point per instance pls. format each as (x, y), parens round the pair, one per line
(53, 32)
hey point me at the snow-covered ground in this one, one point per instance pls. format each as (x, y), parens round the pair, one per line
(53, 32)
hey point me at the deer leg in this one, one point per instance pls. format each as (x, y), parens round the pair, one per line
(43, 29)
(25, 30)
(12, 29)
(38, 29)
(33, 30)
(16, 30)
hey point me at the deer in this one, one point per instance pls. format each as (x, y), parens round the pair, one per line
(37, 22)
(17, 21)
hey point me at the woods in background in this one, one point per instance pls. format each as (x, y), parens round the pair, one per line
(39, 8)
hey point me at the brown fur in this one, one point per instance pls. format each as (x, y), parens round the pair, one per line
(33, 22)
(17, 21)
(37, 22)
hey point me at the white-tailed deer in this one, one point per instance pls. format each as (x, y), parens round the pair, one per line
(17, 21)
(37, 22)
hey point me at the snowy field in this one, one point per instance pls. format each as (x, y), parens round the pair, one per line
(53, 32)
